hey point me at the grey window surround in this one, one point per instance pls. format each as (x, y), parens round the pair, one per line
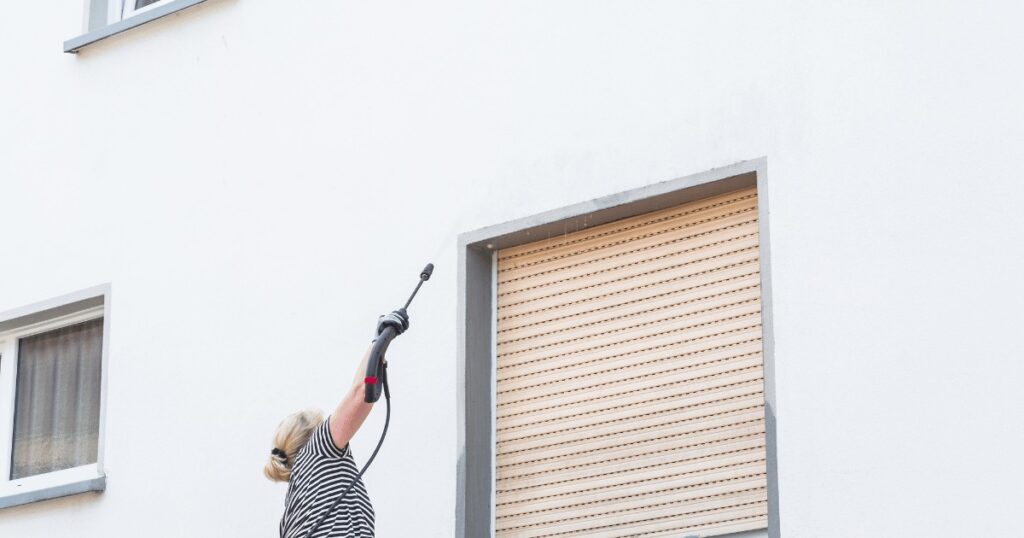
(475, 352)
(74, 44)
(63, 490)
(42, 311)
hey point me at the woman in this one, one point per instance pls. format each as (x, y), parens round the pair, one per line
(306, 454)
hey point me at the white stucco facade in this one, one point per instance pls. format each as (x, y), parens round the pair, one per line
(258, 180)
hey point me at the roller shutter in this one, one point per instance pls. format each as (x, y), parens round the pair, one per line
(629, 377)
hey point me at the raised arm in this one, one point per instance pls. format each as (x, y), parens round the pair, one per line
(352, 410)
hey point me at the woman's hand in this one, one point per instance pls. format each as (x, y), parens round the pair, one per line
(398, 319)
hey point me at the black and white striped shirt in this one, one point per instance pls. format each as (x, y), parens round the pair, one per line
(320, 472)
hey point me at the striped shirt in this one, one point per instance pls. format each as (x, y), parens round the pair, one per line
(320, 472)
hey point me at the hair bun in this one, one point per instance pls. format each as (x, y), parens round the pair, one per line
(292, 434)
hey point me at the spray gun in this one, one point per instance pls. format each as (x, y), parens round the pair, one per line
(376, 366)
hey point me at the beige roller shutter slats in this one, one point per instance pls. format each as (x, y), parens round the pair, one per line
(629, 377)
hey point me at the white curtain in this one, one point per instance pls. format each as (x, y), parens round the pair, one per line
(57, 413)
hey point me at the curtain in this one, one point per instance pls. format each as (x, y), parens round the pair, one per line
(57, 413)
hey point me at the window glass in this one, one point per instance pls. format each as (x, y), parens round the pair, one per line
(139, 4)
(57, 402)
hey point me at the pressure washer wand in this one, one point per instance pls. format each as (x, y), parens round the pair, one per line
(375, 368)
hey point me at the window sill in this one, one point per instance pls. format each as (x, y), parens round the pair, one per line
(51, 486)
(74, 44)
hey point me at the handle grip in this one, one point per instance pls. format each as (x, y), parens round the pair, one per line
(375, 365)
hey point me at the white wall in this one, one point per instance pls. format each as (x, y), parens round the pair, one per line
(258, 180)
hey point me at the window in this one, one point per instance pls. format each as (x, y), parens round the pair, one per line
(132, 7)
(51, 379)
(617, 367)
(104, 18)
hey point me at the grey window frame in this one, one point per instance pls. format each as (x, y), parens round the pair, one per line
(98, 27)
(474, 515)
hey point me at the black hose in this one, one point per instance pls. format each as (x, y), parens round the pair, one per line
(387, 420)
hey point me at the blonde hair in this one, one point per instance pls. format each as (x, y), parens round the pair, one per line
(291, 435)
